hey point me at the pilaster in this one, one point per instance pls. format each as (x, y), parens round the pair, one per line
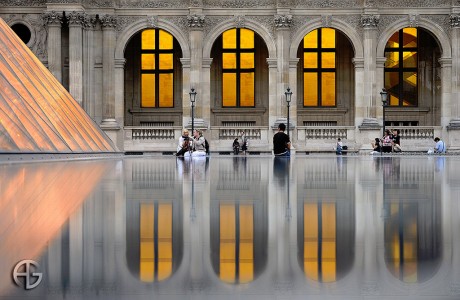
(76, 21)
(455, 109)
(54, 22)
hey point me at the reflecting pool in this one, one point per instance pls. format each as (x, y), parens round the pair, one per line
(244, 227)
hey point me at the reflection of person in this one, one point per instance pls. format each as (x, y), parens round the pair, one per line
(184, 143)
(281, 169)
(440, 162)
(281, 142)
(440, 146)
(236, 146)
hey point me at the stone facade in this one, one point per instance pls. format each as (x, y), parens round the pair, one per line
(83, 43)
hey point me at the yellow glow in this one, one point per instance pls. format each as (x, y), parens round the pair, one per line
(393, 42)
(310, 60)
(411, 78)
(246, 262)
(392, 60)
(148, 61)
(229, 89)
(166, 40)
(328, 89)
(310, 41)
(327, 38)
(229, 39)
(310, 229)
(148, 90)
(247, 89)
(247, 60)
(310, 89)
(246, 39)
(148, 39)
(166, 61)
(229, 60)
(227, 253)
(394, 101)
(328, 59)
(410, 37)
(164, 241)
(166, 90)
(410, 59)
(147, 253)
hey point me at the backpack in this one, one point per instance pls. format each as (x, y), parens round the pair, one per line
(206, 146)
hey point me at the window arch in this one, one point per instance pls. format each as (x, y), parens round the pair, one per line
(401, 67)
(238, 68)
(319, 68)
(157, 68)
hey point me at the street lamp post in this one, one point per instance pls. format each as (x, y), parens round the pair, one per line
(192, 103)
(384, 96)
(288, 95)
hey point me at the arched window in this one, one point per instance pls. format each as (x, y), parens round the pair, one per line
(157, 68)
(401, 67)
(319, 68)
(238, 68)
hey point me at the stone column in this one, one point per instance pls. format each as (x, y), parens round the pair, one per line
(274, 109)
(454, 124)
(447, 105)
(202, 109)
(88, 67)
(367, 109)
(76, 21)
(108, 23)
(54, 21)
(186, 84)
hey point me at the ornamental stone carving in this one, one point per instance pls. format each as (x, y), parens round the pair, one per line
(455, 20)
(240, 3)
(369, 3)
(108, 21)
(283, 21)
(326, 20)
(328, 3)
(24, 3)
(76, 18)
(386, 20)
(212, 22)
(124, 22)
(99, 3)
(239, 21)
(196, 3)
(153, 4)
(370, 21)
(152, 21)
(441, 20)
(52, 18)
(414, 3)
(414, 20)
(195, 21)
(283, 3)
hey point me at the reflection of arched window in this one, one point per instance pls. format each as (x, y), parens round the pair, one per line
(156, 246)
(401, 67)
(157, 69)
(412, 240)
(319, 68)
(238, 68)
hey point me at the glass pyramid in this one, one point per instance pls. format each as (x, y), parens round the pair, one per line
(37, 114)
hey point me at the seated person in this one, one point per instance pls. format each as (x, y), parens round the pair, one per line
(339, 146)
(236, 146)
(396, 141)
(387, 142)
(199, 142)
(185, 144)
(376, 145)
(440, 146)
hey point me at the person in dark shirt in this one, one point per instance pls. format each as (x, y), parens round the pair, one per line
(281, 142)
(396, 141)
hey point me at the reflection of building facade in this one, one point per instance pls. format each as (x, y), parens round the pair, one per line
(131, 65)
(344, 233)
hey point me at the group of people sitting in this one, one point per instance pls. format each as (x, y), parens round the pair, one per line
(391, 142)
(240, 143)
(191, 146)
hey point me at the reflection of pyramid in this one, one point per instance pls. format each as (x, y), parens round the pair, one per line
(37, 114)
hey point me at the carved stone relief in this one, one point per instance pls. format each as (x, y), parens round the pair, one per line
(355, 21)
(265, 21)
(152, 21)
(240, 3)
(386, 20)
(414, 20)
(326, 20)
(212, 22)
(24, 3)
(196, 3)
(77, 18)
(370, 21)
(327, 3)
(300, 21)
(52, 17)
(283, 21)
(413, 3)
(124, 21)
(195, 21)
(99, 3)
(283, 3)
(454, 20)
(239, 21)
(442, 20)
(153, 3)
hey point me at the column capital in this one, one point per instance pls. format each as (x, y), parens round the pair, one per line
(196, 21)
(283, 21)
(455, 20)
(108, 21)
(76, 18)
(52, 18)
(206, 62)
(370, 21)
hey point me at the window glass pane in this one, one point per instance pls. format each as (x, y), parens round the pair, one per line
(392, 86)
(166, 61)
(227, 245)
(394, 100)
(327, 38)
(310, 89)
(393, 42)
(229, 39)
(148, 61)
(165, 87)
(310, 60)
(409, 37)
(147, 253)
(328, 89)
(247, 60)
(246, 259)
(229, 60)
(166, 40)
(392, 60)
(310, 41)
(148, 90)
(246, 39)
(409, 88)
(148, 39)
(409, 59)
(164, 241)
(328, 60)
(229, 89)
(247, 89)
